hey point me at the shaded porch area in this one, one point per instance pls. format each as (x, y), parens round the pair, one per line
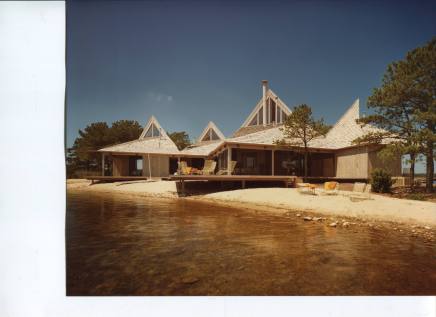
(276, 162)
(142, 166)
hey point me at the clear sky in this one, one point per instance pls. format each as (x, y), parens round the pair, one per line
(189, 62)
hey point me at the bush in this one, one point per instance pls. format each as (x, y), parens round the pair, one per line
(416, 196)
(381, 181)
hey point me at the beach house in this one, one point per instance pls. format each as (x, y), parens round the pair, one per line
(253, 147)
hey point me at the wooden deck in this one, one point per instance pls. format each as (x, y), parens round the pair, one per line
(287, 180)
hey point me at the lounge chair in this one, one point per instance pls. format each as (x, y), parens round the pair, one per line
(361, 191)
(183, 168)
(330, 188)
(225, 172)
(209, 167)
(306, 188)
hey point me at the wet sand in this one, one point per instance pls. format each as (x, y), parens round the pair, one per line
(118, 245)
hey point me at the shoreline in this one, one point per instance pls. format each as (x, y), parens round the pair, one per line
(378, 209)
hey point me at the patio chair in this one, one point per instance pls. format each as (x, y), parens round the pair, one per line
(208, 168)
(306, 188)
(183, 168)
(225, 172)
(361, 191)
(330, 188)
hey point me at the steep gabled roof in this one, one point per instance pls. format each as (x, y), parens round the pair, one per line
(153, 140)
(210, 133)
(341, 135)
(207, 142)
(246, 128)
(202, 150)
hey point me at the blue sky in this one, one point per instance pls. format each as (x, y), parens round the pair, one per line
(188, 62)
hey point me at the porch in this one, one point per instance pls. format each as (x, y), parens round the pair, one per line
(275, 161)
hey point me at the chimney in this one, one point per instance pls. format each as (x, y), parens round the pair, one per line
(264, 91)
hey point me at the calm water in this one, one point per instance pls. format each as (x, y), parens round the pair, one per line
(125, 246)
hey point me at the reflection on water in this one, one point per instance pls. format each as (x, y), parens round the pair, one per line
(140, 246)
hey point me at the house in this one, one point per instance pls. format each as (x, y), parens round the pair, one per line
(253, 147)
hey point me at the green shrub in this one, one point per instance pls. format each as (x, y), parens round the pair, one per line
(381, 181)
(416, 196)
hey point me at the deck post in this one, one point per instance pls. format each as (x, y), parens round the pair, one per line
(229, 158)
(272, 162)
(243, 184)
(102, 164)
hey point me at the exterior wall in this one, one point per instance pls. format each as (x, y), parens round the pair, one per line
(159, 164)
(120, 166)
(321, 165)
(393, 166)
(352, 163)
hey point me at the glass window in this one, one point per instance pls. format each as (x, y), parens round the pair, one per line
(254, 121)
(152, 131)
(214, 136)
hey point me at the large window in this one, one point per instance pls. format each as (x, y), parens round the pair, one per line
(152, 131)
(210, 136)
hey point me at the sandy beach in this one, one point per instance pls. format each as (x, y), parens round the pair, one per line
(375, 208)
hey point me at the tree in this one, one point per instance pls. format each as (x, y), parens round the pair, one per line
(83, 154)
(397, 126)
(181, 139)
(124, 131)
(405, 108)
(300, 128)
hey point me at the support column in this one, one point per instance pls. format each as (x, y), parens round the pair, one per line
(102, 164)
(229, 158)
(143, 165)
(272, 162)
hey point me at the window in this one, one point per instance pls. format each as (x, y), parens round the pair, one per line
(210, 135)
(260, 114)
(213, 135)
(152, 131)
(254, 121)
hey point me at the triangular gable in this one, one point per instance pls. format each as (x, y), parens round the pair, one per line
(275, 114)
(211, 133)
(346, 129)
(153, 130)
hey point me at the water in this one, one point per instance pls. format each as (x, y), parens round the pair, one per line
(138, 246)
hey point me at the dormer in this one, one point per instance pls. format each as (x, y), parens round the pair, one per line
(153, 130)
(210, 133)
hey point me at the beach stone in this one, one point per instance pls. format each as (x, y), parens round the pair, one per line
(298, 215)
(345, 224)
(317, 218)
(427, 227)
(333, 224)
(307, 218)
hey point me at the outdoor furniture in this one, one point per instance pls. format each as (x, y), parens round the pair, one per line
(330, 188)
(209, 167)
(183, 168)
(225, 171)
(306, 188)
(361, 191)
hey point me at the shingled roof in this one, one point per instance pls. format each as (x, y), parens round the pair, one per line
(341, 135)
(205, 143)
(158, 143)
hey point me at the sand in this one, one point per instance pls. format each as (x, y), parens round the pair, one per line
(284, 199)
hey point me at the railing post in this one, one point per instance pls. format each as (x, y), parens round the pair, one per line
(102, 164)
